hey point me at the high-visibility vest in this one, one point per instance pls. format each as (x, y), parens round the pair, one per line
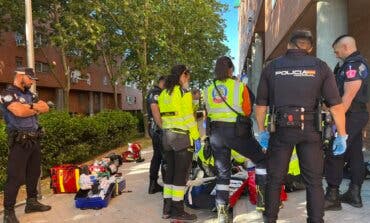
(210, 161)
(294, 164)
(232, 92)
(237, 157)
(177, 112)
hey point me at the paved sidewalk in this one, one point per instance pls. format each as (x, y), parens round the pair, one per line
(139, 207)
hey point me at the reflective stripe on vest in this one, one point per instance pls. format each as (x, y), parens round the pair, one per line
(217, 109)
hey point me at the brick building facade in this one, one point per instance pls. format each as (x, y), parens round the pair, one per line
(265, 25)
(90, 91)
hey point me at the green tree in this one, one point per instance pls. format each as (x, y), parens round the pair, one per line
(68, 25)
(157, 34)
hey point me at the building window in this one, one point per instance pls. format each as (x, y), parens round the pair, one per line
(19, 39)
(130, 100)
(105, 80)
(19, 62)
(38, 40)
(273, 3)
(41, 67)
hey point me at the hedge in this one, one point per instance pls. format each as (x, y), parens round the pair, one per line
(75, 139)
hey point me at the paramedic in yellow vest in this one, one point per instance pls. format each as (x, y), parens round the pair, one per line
(180, 136)
(224, 135)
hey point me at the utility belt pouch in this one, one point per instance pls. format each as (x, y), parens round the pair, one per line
(328, 131)
(290, 117)
(318, 119)
(271, 122)
(175, 141)
(153, 128)
(243, 126)
(208, 126)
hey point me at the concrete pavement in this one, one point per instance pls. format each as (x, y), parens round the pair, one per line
(139, 207)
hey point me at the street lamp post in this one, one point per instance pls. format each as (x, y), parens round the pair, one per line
(31, 60)
(29, 35)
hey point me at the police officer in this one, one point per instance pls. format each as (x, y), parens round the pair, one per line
(20, 109)
(228, 108)
(155, 124)
(352, 80)
(291, 86)
(180, 136)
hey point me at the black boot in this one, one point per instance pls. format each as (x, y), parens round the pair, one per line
(352, 196)
(222, 213)
(267, 220)
(154, 187)
(260, 189)
(332, 201)
(178, 213)
(33, 205)
(166, 208)
(9, 216)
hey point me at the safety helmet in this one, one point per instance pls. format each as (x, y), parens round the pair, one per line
(129, 156)
(134, 147)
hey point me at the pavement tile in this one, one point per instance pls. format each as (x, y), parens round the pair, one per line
(140, 207)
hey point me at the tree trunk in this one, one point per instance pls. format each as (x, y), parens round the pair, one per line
(67, 86)
(145, 113)
(144, 68)
(115, 96)
(112, 81)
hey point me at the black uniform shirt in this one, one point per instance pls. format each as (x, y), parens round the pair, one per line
(297, 79)
(13, 122)
(354, 67)
(152, 97)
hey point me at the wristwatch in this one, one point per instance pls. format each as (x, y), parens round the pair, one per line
(31, 106)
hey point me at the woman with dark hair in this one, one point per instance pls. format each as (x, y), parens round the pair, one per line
(180, 133)
(228, 107)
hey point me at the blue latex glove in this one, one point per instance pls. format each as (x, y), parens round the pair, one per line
(198, 145)
(263, 138)
(340, 145)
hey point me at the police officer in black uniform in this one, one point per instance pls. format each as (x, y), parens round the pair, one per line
(21, 108)
(291, 86)
(155, 123)
(352, 78)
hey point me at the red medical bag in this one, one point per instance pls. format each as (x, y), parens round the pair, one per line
(64, 178)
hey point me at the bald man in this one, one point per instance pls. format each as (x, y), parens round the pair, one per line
(352, 80)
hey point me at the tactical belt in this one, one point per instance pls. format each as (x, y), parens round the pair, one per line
(28, 134)
(168, 113)
(219, 124)
(181, 131)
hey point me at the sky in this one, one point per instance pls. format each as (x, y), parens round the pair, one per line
(231, 31)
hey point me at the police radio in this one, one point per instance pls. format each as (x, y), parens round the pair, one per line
(328, 132)
(271, 122)
(318, 117)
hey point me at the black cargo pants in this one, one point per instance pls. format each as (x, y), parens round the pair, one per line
(311, 161)
(355, 123)
(24, 163)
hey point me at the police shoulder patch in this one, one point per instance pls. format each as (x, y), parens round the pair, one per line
(7, 98)
(363, 70)
(156, 97)
(351, 72)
